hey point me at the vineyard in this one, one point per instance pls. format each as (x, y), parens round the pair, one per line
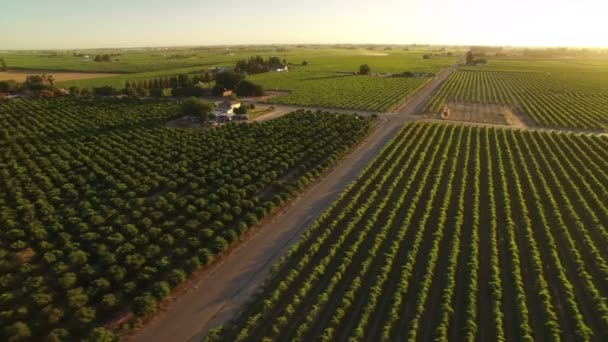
(104, 210)
(550, 99)
(322, 63)
(340, 91)
(451, 233)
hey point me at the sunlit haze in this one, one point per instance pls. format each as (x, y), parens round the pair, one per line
(33, 24)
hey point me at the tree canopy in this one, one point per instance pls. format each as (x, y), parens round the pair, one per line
(259, 64)
(469, 58)
(364, 69)
(248, 88)
(197, 107)
(229, 79)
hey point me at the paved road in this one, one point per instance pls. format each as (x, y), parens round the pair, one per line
(213, 299)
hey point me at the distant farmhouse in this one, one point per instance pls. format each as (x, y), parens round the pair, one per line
(280, 68)
(224, 111)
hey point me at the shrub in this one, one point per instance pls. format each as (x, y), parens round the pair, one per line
(144, 305)
(365, 69)
(104, 91)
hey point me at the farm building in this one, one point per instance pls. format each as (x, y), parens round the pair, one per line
(224, 117)
(280, 68)
(226, 107)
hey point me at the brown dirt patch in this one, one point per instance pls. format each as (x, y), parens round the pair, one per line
(20, 75)
(481, 113)
(24, 256)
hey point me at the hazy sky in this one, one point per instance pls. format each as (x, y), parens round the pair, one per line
(37, 24)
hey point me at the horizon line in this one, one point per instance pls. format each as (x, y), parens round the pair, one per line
(298, 45)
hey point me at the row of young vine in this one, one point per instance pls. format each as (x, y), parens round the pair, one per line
(549, 100)
(451, 233)
(351, 92)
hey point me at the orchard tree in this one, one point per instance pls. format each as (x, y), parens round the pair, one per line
(248, 88)
(144, 305)
(18, 331)
(197, 107)
(101, 335)
(229, 79)
(57, 335)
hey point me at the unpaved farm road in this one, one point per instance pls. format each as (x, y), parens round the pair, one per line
(215, 297)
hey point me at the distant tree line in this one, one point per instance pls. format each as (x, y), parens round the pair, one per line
(441, 54)
(3, 66)
(43, 85)
(179, 81)
(235, 81)
(471, 60)
(259, 64)
(561, 52)
(105, 57)
(184, 85)
(406, 74)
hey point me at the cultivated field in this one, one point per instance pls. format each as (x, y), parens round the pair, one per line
(327, 80)
(451, 233)
(371, 93)
(480, 113)
(104, 210)
(21, 75)
(122, 60)
(552, 93)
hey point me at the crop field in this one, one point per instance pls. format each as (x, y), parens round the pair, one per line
(104, 210)
(371, 93)
(147, 60)
(20, 76)
(326, 81)
(127, 62)
(451, 233)
(551, 94)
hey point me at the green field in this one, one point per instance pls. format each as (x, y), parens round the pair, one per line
(103, 209)
(129, 61)
(452, 233)
(552, 93)
(144, 60)
(327, 80)
(325, 89)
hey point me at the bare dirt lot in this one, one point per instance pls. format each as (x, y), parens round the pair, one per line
(20, 75)
(481, 113)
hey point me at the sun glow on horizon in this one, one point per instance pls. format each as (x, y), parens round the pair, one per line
(68, 24)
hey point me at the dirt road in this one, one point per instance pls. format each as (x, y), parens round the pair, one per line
(21, 75)
(213, 299)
